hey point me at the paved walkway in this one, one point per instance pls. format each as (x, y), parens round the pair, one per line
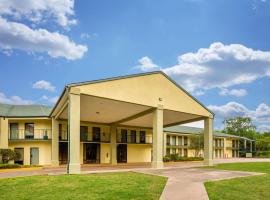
(188, 183)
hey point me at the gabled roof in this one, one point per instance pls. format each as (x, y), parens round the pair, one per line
(194, 130)
(7, 110)
(126, 77)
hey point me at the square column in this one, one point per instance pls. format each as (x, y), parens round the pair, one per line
(113, 145)
(3, 133)
(208, 141)
(224, 147)
(157, 161)
(74, 166)
(55, 142)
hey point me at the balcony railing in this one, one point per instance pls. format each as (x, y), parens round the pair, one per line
(134, 140)
(37, 134)
(177, 145)
(87, 137)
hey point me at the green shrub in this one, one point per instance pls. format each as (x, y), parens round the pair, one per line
(8, 154)
(263, 154)
(166, 159)
(9, 166)
(177, 158)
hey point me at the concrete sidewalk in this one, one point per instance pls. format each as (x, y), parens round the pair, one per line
(188, 183)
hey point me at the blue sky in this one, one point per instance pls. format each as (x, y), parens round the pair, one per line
(217, 50)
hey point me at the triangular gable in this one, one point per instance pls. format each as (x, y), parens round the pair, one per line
(148, 89)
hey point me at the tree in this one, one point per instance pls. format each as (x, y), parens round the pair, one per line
(197, 143)
(241, 126)
(8, 154)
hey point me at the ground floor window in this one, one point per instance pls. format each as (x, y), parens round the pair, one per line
(173, 151)
(185, 153)
(168, 152)
(19, 160)
(179, 152)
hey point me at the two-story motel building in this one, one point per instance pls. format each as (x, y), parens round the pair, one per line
(116, 120)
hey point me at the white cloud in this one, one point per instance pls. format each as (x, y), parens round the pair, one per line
(50, 100)
(146, 64)
(233, 92)
(39, 10)
(232, 109)
(15, 35)
(14, 100)
(218, 66)
(44, 85)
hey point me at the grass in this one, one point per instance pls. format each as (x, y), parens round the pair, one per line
(247, 188)
(126, 185)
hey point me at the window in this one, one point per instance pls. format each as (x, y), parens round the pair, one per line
(168, 152)
(168, 140)
(173, 151)
(19, 159)
(185, 153)
(123, 136)
(179, 141)
(142, 136)
(29, 130)
(179, 152)
(173, 140)
(185, 141)
(133, 136)
(14, 131)
(84, 133)
(96, 134)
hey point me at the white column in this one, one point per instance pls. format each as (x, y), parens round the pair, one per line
(157, 161)
(3, 133)
(74, 166)
(55, 142)
(113, 146)
(208, 141)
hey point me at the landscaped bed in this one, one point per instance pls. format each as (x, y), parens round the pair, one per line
(13, 166)
(247, 188)
(126, 185)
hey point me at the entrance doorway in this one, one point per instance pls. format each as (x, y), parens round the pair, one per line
(63, 152)
(34, 156)
(91, 153)
(121, 153)
(19, 159)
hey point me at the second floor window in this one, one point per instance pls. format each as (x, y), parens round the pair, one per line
(84, 133)
(29, 130)
(173, 140)
(168, 140)
(123, 136)
(96, 134)
(179, 141)
(142, 136)
(185, 141)
(14, 130)
(133, 136)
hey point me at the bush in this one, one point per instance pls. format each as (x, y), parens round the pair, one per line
(263, 154)
(8, 154)
(177, 158)
(9, 166)
(166, 159)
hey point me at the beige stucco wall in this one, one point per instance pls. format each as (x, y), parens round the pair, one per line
(173, 98)
(138, 153)
(44, 150)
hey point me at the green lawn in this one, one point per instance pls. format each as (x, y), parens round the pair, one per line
(95, 186)
(247, 188)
